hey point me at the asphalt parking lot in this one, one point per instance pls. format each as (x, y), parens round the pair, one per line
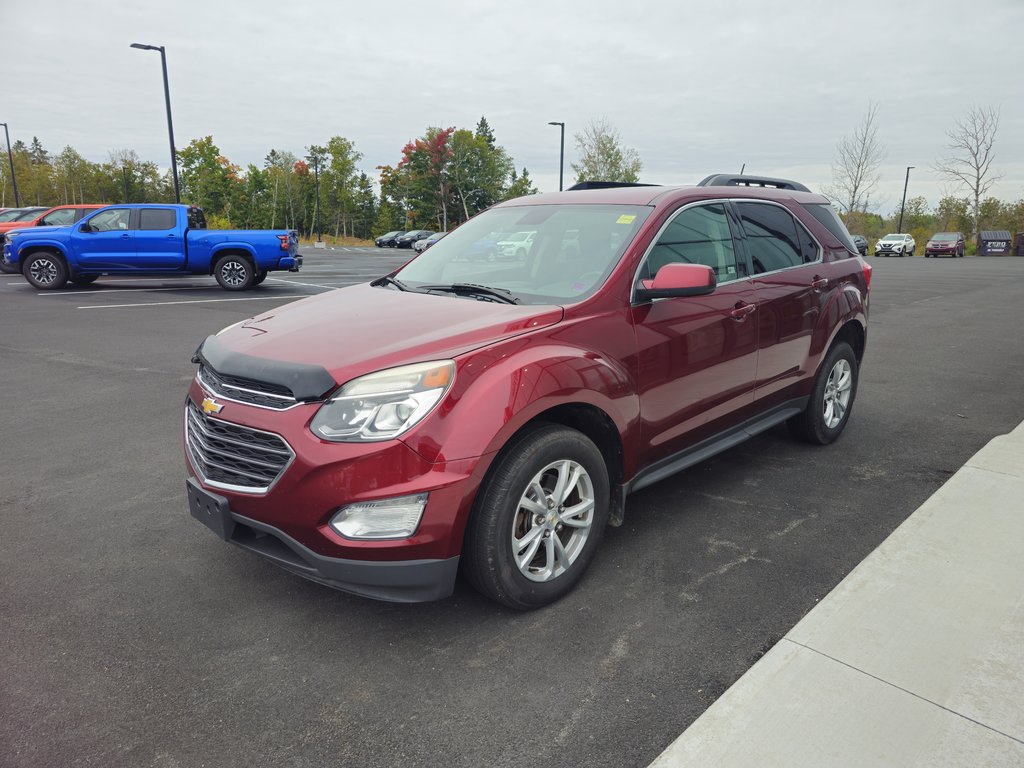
(131, 636)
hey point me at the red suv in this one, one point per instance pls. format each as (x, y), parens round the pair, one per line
(496, 416)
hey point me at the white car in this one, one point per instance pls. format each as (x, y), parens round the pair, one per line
(895, 245)
(516, 245)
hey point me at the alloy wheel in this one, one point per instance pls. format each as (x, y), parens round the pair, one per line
(838, 389)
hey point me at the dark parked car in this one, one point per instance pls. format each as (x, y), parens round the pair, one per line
(387, 240)
(496, 417)
(407, 240)
(862, 244)
(945, 244)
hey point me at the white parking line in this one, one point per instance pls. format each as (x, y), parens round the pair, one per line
(296, 282)
(196, 301)
(124, 290)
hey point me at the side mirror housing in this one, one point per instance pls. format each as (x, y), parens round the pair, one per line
(675, 280)
(87, 227)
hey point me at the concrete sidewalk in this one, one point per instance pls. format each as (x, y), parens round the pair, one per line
(915, 659)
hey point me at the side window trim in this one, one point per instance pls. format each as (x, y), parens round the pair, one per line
(668, 222)
(800, 224)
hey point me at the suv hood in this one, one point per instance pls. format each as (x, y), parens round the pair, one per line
(361, 329)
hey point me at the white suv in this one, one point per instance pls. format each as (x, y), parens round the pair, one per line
(895, 245)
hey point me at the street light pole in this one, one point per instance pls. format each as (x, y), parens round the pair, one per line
(561, 153)
(10, 159)
(899, 227)
(167, 101)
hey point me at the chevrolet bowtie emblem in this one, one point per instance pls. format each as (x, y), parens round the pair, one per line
(211, 406)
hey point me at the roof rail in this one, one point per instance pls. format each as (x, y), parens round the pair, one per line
(728, 180)
(606, 185)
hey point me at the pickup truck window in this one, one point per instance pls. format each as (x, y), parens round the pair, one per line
(110, 219)
(58, 218)
(157, 218)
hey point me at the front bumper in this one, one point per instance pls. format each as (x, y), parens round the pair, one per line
(409, 581)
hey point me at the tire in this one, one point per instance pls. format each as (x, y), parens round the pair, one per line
(260, 277)
(234, 273)
(519, 550)
(835, 389)
(45, 271)
(84, 279)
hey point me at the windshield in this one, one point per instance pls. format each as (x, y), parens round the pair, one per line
(11, 215)
(945, 236)
(573, 250)
(29, 214)
(893, 237)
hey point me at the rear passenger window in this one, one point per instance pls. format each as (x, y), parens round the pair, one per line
(156, 218)
(776, 240)
(697, 235)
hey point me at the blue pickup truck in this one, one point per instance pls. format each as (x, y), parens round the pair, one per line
(149, 240)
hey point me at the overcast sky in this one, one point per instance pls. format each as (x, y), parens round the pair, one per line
(694, 87)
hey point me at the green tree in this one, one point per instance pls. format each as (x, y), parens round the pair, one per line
(602, 156)
(520, 185)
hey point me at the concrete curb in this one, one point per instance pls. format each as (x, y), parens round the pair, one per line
(915, 659)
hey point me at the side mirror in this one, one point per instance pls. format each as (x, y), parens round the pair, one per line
(674, 280)
(87, 227)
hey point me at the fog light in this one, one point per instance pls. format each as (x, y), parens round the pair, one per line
(395, 518)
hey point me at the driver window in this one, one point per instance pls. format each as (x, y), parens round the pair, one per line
(107, 221)
(697, 235)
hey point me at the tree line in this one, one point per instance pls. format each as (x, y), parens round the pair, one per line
(441, 179)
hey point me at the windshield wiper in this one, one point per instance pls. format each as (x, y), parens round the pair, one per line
(388, 280)
(473, 289)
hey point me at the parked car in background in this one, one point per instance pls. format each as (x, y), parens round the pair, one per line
(421, 245)
(410, 237)
(945, 244)
(895, 245)
(13, 214)
(516, 245)
(507, 429)
(862, 244)
(158, 240)
(58, 216)
(387, 240)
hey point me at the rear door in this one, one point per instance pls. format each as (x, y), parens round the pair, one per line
(105, 240)
(158, 239)
(696, 355)
(792, 287)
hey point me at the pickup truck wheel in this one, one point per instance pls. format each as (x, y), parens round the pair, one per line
(234, 273)
(45, 271)
(538, 518)
(260, 277)
(835, 388)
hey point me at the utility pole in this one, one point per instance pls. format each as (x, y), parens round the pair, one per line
(561, 153)
(10, 159)
(899, 227)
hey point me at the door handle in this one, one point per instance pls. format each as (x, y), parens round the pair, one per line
(171, 236)
(124, 237)
(819, 283)
(741, 311)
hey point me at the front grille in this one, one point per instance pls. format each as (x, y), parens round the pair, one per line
(259, 393)
(231, 456)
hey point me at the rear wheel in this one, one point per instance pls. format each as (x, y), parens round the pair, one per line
(45, 271)
(260, 277)
(538, 519)
(835, 388)
(234, 273)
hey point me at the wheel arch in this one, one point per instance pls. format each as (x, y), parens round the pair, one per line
(233, 249)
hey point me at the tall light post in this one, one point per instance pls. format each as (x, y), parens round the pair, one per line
(167, 100)
(444, 200)
(561, 153)
(899, 227)
(10, 159)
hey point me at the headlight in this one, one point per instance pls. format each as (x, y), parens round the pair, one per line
(383, 405)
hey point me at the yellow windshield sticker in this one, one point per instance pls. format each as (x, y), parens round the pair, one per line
(626, 218)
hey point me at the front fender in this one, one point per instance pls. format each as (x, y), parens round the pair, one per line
(499, 390)
(39, 243)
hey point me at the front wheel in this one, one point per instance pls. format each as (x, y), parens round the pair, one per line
(45, 271)
(538, 518)
(835, 388)
(234, 273)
